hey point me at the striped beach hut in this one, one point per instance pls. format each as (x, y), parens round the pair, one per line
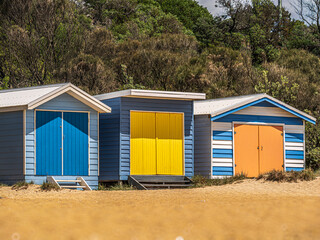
(49, 132)
(249, 134)
(148, 133)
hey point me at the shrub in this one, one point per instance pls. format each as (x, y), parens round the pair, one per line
(201, 181)
(47, 186)
(292, 176)
(21, 185)
(115, 187)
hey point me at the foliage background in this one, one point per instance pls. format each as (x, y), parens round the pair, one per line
(107, 45)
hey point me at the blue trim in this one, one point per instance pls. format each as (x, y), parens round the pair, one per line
(222, 155)
(288, 169)
(224, 171)
(260, 119)
(293, 154)
(259, 101)
(216, 150)
(222, 135)
(293, 137)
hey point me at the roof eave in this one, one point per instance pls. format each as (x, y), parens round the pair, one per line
(76, 93)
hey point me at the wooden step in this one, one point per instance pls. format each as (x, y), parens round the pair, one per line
(72, 186)
(166, 185)
(72, 181)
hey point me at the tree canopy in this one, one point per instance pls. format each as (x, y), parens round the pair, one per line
(107, 45)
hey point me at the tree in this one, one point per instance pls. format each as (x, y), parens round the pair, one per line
(308, 11)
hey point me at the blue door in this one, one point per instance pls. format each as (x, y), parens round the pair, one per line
(75, 143)
(48, 143)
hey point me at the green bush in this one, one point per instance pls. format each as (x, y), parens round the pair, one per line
(47, 186)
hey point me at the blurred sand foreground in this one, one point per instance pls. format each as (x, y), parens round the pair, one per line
(247, 210)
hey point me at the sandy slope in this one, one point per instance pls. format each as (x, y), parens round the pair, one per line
(246, 210)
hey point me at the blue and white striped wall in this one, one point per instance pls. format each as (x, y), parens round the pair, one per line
(262, 113)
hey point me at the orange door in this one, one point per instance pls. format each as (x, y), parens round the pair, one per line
(271, 148)
(246, 149)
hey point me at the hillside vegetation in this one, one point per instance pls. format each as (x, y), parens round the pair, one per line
(107, 45)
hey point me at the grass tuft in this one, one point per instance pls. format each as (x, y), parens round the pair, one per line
(47, 186)
(201, 181)
(21, 185)
(292, 176)
(115, 187)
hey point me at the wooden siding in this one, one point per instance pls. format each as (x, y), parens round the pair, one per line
(202, 139)
(11, 147)
(64, 102)
(265, 113)
(110, 141)
(155, 105)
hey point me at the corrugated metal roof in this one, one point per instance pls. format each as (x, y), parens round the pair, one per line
(219, 106)
(24, 96)
(31, 97)
(152, 94)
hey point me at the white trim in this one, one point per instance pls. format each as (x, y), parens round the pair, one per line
(284, 147)
(212, 106)
(53, 110)
(223, 160)
(152, 94)
(24, 143)
(74, 92)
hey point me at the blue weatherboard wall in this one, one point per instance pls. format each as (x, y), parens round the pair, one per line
(11, 147)
(119, 161)
(221, 138)
(63, 102)
(262, 112)
(110, 141)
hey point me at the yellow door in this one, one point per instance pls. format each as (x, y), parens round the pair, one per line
(246, 149)
(169, 133)
(143, 143)
(156, 143)
(271, 148)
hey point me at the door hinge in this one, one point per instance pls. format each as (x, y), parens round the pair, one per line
(281, 134)
(234, 132)
(258, 147)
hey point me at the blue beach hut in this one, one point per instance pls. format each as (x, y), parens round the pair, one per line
(50, 133)
(249, 134)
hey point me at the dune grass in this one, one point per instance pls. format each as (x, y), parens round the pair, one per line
(201, 181)
(115, 187)
(21, 185)
(292, 176)
(47, 186)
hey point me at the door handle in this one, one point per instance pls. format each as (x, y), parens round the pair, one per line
(261, 148)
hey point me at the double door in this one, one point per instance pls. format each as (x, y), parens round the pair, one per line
(61, 143)
(156, 143)
(258, 149)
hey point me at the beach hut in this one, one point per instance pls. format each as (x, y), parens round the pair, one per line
(147, 133)
(50, 133)
(249, 134)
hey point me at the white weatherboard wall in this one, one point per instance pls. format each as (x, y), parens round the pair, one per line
(222, 137)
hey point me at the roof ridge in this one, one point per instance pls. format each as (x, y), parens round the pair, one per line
(234, 97)
(33, 87)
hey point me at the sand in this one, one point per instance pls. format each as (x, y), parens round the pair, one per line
(247, 210)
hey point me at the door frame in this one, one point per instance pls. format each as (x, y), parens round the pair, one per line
(258, 124)
(35, 136)
(183, 131)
